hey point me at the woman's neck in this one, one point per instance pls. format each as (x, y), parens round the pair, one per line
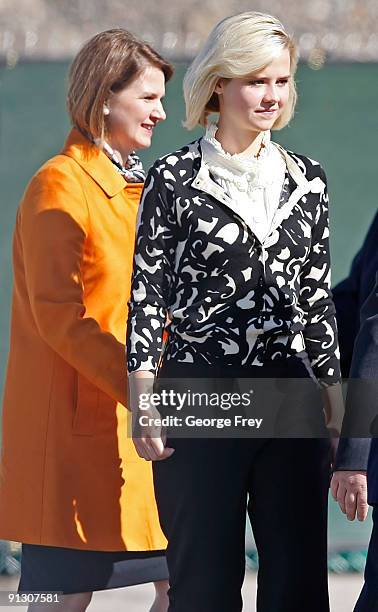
(120, 154)
(122, 157)
(234, 142)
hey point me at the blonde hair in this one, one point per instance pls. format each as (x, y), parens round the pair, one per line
(237, 47)
(107, 63)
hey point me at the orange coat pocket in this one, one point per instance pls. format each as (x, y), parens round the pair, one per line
(85, 416)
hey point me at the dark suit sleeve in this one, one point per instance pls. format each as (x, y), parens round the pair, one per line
(352, 454)
(350, 294)
(362, 399)
(347, 302)
(365, 354)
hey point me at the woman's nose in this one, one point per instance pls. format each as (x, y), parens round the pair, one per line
(159, 112)
(271, 94)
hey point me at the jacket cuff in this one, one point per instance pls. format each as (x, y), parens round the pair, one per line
(352, 454)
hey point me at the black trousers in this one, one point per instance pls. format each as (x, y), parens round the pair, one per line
(204, 492)
(368, 600)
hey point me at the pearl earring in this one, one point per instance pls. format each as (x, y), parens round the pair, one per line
(106, 110)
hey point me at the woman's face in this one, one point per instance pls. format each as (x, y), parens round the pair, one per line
(254, 104)
(135, 110)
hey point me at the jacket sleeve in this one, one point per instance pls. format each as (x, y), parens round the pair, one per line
(352, 454)
(320, 332)
(53, 222)
(346, 298)
(350, 294)
(153, 274)
(361, 414)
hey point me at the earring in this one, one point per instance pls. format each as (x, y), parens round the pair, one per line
(106, 110)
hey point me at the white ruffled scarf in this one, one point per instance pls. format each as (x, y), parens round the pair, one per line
(254, 182)
(243, 170)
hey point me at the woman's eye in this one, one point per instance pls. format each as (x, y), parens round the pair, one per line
(262, 82)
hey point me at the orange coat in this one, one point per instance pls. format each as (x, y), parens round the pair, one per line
(70, 475)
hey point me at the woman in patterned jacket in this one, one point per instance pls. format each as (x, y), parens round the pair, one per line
(232, 247)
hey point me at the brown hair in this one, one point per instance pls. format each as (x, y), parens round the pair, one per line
(107, 62)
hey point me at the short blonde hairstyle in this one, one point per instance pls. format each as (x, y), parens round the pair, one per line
(236, 48)
(107, 63)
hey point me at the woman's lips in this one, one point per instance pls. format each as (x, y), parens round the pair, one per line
(267, 112)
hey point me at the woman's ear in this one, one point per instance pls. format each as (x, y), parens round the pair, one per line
(219, 86)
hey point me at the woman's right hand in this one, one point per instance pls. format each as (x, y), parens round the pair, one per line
(149, 435)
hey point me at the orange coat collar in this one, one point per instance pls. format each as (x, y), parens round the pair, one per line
(94, 162)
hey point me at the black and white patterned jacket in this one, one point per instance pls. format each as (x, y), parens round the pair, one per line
(230, 298)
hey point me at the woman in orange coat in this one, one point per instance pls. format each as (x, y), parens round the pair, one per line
(72, 488)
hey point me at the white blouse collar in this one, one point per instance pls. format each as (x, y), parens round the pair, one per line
(239, 168)
(244, 161)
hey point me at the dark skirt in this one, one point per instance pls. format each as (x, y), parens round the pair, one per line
(68, 570)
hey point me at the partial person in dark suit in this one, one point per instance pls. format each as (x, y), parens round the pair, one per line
(358, 457)
(350, 294)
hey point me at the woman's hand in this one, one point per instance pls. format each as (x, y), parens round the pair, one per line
(149, 436)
